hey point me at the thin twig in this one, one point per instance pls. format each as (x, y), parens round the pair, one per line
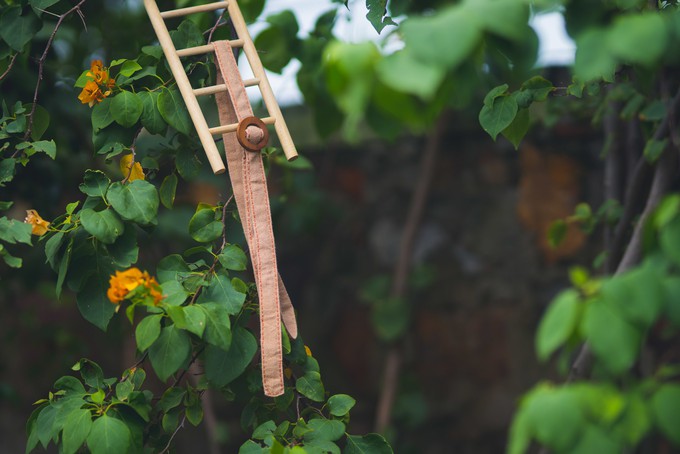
(9, 67)
(172, 437)
(133, 149)
(41, 65)
(217, 24)
(403, 268)
(183, 373)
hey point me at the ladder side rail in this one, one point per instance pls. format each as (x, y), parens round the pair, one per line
(184, 87)
(265, 88)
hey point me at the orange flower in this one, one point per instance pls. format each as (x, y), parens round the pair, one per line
(99, 80)
(123, 283)
(97, 72)
(91, 93)
(39, 224)
(154, 289)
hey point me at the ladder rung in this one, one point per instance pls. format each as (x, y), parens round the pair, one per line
(232, 127)
(193, 9)
(222, 87)
(198, 50)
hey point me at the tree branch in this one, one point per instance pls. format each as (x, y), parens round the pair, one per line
(41, 64)
(403, 267)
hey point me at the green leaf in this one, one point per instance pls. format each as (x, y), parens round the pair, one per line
(614, 340)
(506, 18)
(222, 292)
(124, 251)
(250, 447)
(264, 430)
(518, 128)
(105, 225)
(558, 323)
(595, 439)
(638, 38)
(7, 169)
(325, 429)
(42, 4)
(218, 327)
(41, 120)
(147, 331)
(403, 72)
(102, 114)
(593, 60)
(203, 227)
(14, 231)
(279, 44)
(18, 27)
(555, 417)
(93, 303)
(76, 429)
(126, 108)
(174, 292)
(187, 35)
(340, 404)
(233, 258)
(168, 190)
(251, 9)
(45, 146)
(367, 444)
(222, 367)
(95, 183)
(637, 295)
(654, 149)
(52, 247)
(44, 425)
(557, 232)
(195, 320)
(171, 268)
(390, 317)
(174, 112)
(151, 117)
(499, 116)
(108, 435)
(310, 386)
(136, 201)
(377, 14)
(171, 398)
(426, 36)
(170, 351)
(187, 163)
(129, 67)
(666, 409)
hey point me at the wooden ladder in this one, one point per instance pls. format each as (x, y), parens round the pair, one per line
(206, 133)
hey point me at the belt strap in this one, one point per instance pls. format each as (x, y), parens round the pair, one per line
(249, 183)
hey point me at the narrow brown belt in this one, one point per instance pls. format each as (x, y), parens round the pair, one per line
(249, 183)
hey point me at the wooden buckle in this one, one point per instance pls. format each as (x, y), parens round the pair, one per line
(243, 137)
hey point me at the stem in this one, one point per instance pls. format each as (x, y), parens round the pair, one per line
(41, 64)
(9, 67)
(400, 278)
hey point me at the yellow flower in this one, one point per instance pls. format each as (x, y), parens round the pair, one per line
(122, 283)
(308, 351)
(137, 173)
(39, 224)
(91, 93)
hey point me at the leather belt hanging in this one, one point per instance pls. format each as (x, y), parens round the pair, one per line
(248, 179)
